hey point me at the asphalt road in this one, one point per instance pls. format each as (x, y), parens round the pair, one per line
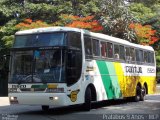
(108, 110)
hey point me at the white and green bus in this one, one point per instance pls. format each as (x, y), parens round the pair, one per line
(62, 66)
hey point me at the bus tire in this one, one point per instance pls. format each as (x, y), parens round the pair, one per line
(87, 104)
(138, 94)
(45, 107)
(143, 94)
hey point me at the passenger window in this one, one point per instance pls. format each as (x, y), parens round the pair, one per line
(141, 55)
(122, 53)
(103, 49)
(116, 52)
(151, 57)
(132, 54)
(110, 50)
(88, 46)
(127, 51)
(145, 57)
(96, 47)
(137, 55)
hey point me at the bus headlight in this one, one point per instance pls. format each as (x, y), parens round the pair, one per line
(55, 90)
(11, 98)
(55, 98)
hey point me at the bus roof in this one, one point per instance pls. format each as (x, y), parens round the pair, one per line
(47, 29)
(119, 41)
(95, 35)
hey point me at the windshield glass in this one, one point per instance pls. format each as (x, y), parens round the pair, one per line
(39, 40)
(38, 66)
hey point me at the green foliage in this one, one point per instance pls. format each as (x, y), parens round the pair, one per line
(156, 23)
(141, 12)
(6, 34)
(117, 19)
(41, 10)
(158, 59)
(147, 12)
(85, 7)
(148, 3)
(8, 40)
(13, 12)
(113, 14)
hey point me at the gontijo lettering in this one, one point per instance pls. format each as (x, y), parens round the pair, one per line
(133, 69)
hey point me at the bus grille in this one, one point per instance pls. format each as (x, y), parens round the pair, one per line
(32, 89)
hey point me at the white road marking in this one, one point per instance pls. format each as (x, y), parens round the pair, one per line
(158, 94)
(157, 101)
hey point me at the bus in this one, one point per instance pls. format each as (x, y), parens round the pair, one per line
(63, 66)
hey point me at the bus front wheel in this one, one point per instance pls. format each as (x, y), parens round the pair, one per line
(45, 107)
(87, 104)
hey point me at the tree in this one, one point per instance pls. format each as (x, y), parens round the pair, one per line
(144, 34)
(30, 24)
(44, 10)
(141, 12)
(148, 3)
(87, 22)
(6, 34)
(148, 13)
(116, 20)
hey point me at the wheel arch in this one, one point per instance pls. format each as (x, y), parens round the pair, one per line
(146, 86)
(139, 84)
(93, 92)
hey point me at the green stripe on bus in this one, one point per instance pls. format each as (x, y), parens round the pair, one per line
(39, 86)
(114, 79)
(106, 78)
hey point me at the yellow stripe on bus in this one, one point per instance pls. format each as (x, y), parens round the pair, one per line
(128, 83)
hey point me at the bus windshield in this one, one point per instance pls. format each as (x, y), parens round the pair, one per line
(39, 40)
(37, 66)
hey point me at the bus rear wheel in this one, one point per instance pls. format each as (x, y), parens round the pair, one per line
(45, 107)
(137, 97)
(143, 94)
(87, 104)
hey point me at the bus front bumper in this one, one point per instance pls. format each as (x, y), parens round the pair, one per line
(55, 99)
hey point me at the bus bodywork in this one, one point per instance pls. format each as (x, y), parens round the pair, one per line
(63, 66)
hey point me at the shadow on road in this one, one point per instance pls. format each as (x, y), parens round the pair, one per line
(75, 108)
